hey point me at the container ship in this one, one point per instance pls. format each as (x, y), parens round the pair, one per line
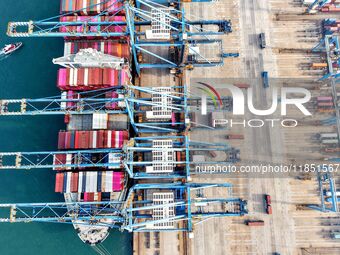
(93, 131)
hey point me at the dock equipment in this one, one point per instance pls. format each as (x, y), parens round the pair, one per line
(162, 157)
(327, 183)
(317, 5)
(87, 102)
(161, 109)
(186, 43)
(330, 46)
(148, 207)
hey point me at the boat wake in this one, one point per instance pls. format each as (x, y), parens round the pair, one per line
(3, 56)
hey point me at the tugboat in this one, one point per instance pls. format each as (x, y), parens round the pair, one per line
(10, 48)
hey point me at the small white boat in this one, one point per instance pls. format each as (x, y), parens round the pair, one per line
(10, 48)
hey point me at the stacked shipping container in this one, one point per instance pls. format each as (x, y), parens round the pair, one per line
(90, 7)
(91, 78)
(89, 182)
(92, 139)
(113, 48)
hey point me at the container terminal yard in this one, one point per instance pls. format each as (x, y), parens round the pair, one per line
(132, 80)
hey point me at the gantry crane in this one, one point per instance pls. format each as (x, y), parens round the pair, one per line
(148, 207)
(160, 109)
(328, 192)
(154, 157)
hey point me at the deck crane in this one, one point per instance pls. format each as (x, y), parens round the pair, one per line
(148, 207)
(151, 28)
(161, 157)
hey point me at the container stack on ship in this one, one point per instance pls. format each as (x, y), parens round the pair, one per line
(97, 130)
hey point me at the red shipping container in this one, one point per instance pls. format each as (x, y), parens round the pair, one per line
(68, 140)
(83, 140)
(76, 142)
(87, 140)
(105, 138)
(88, 197)
(110, 77)
(100, 139)
(61, 140)
(74, 182)
(59, 181)
(80, 76)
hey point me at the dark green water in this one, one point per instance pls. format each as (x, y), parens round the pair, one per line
(29, 73)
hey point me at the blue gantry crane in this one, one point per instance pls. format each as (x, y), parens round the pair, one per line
(161, 109)
(331, 47)
(153, 157)
(328, 193)
(148, 207)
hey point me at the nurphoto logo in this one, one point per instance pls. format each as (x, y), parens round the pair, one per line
(242, 98)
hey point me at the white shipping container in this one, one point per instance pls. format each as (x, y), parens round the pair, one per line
(80, 182)
(75, 77)
(68, 182)
(86, 76)
(109, 136)
(94, 139)
(99, 121)
(328, 135)
(108, 181)
(94, 182)
(88, 182)
(330, 141)
(71, 77)
(90, 185)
